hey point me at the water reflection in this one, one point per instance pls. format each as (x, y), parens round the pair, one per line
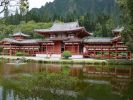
(29, 68)
(119, 77)
(116, 78)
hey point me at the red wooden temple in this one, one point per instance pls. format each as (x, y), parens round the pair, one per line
(67, 37)
(95, 47)
(20, 43)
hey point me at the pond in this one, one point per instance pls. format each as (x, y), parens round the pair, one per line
(34, 81)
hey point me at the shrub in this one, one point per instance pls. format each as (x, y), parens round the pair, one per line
(123, 54)
(1, 49)
(20, 54)
(66, 54)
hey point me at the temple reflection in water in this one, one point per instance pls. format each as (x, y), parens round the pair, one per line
(119, 77)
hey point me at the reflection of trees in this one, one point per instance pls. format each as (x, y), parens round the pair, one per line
(120, 78)
(4, 93)
(42, 85)
(129, 93)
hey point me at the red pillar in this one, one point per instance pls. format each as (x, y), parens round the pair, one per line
(78, 49)
(10, 51)
(72, 48)
(94, 52)
(64, 47)
(46, 49)
(109, 52)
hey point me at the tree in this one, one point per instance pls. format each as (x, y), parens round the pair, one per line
(5, 4)
(127, 9)
(24, 6)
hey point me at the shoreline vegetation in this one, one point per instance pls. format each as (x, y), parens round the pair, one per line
(70, 61)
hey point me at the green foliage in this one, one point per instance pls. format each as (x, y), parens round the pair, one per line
(127, 18)
(123, 54)
(28, 28)
(20, 54)
(1, 48)
(98, 92)
(66, 54)
(100, 22)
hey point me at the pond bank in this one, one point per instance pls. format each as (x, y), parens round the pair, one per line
(72, 61)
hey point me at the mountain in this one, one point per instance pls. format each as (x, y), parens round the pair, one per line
(64, 8)
(97, 16)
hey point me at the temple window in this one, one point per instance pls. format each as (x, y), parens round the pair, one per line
(71, 35)
(52, 36)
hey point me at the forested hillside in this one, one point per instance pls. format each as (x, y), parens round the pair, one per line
(74, 8)
(98, 16)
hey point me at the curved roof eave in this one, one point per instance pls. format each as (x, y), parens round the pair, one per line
(45, 31)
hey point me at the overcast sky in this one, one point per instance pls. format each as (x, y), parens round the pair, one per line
(37, 3)
(32, 4)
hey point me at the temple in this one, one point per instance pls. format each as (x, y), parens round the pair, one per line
(67, 37)
(20, 42)
(111, 47)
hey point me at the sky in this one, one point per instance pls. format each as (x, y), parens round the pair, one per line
(32, 4)
(38, 3)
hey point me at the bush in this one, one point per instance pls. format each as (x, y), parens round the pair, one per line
(132, 55)
(1, 49)
(20, 54)
(66, 54)
(123, 54)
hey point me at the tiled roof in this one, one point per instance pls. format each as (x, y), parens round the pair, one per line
(58, 39)
(118, 29)
(63, 27)
(27, 41)
(20, 34)
(73, 40)
(97, 40)
(116, 38)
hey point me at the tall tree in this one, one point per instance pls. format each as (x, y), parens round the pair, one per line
(127, 9)
(4, 5)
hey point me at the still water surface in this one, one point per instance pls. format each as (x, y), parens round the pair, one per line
(98, 82)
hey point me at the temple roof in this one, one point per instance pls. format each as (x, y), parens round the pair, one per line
(63, 27)
(116, 38)
(26, 41)
(73, 40)
(118, 29)
(57, 39)
(20, 34)
(97, 40)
